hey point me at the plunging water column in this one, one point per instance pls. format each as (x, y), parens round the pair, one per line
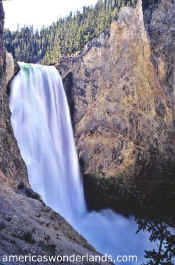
(41, 122)
(42, 127)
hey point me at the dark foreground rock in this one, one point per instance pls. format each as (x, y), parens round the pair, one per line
(27, 226)
(121, 95)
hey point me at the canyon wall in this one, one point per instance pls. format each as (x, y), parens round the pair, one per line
(11, 162)
(121, 96)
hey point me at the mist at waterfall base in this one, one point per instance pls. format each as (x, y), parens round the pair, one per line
(42, 126)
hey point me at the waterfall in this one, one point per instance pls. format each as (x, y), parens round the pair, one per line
(42, 126)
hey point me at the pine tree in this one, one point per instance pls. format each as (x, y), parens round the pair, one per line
(67, 35)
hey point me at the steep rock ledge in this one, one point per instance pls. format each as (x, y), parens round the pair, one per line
(160, 23)
(11, 162)
(123, 122)
(28, 227)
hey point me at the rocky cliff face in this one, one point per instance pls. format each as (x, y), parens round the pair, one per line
(160, 21)
(122, 112)
(28, 227)
(11, 162)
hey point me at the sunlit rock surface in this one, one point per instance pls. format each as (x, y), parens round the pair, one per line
(10, 67)
(121, 112)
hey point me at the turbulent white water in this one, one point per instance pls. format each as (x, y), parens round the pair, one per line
(42, 127)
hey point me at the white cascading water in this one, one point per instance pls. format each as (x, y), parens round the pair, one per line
(42, 126)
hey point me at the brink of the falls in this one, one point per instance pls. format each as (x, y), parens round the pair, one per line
(42, 126)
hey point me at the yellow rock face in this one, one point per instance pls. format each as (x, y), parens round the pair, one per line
(10, 67)
(122, 120)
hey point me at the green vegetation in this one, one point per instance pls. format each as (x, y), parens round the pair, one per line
(49, 248)
(65, 37)
(162, 234)
(26, 236)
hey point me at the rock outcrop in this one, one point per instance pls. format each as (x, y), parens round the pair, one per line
(29, 228)
(11, 162)
(160, 22)
(10, 67)
(122, 113)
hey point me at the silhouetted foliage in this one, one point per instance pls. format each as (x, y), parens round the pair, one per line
(162, 234)
(147, 3)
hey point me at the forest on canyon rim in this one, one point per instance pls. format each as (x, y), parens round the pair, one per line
(68, 35)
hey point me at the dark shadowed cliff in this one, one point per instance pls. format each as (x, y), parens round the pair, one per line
(121, 94)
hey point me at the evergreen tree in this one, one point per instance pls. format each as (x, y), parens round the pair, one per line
(162, 234)
(66, 36)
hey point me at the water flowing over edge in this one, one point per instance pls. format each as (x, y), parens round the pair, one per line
(42, 126)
